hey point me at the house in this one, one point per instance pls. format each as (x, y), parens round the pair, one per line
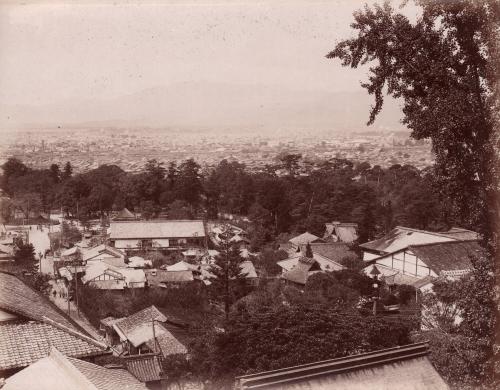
(410, 264)
(144, 332)
(304, 239)
(403, 367)
(341, 232)
(105, 253)
(220, 231)
(322, 264)
(301, 270)
(298, 268)
(59, 372)
(402, 237)
(104, 276)
(30, 325)
(159, 234)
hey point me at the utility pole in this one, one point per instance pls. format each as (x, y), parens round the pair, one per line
(154, 335)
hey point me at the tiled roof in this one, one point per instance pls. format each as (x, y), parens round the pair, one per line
(448, 256)
(300, 272)
(167, 343)
(405, 367)
(58, 372)
(138, 327)
(402, 237)
(156, 229)
(102, 249)
(461, 234)
(24, 343)
(19, 298)
(146, 368)
(334, 251)
(107, 379)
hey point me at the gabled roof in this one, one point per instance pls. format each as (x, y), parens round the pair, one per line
(138, 327)
(304, 239)
(145, 367)
(248, 269)
(448, 256)
(405, 367)
(325, 263)
(300, 272)
(102, 249)
(402, 237)
(58, 372)
(23, 343)
(156, 229)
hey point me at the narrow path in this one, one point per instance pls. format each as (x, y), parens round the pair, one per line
(79, 318)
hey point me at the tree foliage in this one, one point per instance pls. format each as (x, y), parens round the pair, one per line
(443, 68)
(268, 338)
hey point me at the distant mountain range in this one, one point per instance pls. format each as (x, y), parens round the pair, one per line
(210, 105)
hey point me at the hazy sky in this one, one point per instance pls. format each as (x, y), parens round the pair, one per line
(52, 55)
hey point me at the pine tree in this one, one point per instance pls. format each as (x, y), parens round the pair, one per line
(24, 256)
(68, 171)
(227, 268)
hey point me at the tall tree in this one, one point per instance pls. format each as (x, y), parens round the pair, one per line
(24, 256)
(67, 171)
(189, 187)
(444, 67)
(227, 269)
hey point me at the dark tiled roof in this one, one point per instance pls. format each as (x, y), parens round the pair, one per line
(19, 298)
(335, 251)
(168, 344)
(448, 256)
(24, 343)
(405, 367)
(146, 368)
(137, 320)
(106, 378)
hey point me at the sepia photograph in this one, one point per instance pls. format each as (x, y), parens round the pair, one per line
(249, 194)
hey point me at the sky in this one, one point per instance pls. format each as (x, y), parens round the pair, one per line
(88, 61)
